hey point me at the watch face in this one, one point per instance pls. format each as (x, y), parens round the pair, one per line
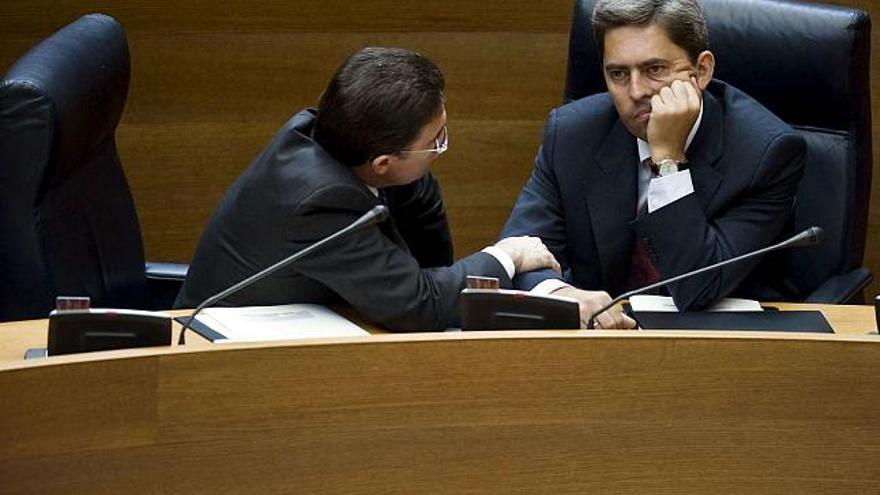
(667, 167)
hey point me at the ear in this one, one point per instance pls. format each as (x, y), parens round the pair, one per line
(381, 164)
(705, 69)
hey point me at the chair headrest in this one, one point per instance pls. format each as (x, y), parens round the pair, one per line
(82, 72)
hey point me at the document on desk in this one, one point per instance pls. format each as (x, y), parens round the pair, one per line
(660, 313)
(663, 303)
(266, 323)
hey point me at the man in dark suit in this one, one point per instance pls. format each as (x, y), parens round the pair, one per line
(379, 124)
(667, 172)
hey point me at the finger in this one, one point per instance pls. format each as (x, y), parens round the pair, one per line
(552, 263)
(666, 95)
(589, 303)
(585, 314)
(547, 258)
(678, 89)
(656, 103)
(693, 95)
(616, 317)
(687, 97)
(595, 301)
(585, 323)
(621, 320)
(606, 320)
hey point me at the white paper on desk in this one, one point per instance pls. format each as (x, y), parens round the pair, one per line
(290, 321)
(663, 303)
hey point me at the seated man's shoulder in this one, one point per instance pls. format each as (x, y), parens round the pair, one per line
(583, 122)
(322, 212)
(341, 195)
(588, 110)
(744, 114)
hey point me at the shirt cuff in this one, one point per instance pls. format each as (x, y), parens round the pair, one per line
(669, 189)
(548, 286)
(502, 258)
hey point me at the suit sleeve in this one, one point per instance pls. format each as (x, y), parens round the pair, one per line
(378, 277)
(538, 211)
(679, 237)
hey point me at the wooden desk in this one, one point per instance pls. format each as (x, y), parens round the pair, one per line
(498, 412)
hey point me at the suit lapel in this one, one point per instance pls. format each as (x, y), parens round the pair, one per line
(611, 192)
(705, 150)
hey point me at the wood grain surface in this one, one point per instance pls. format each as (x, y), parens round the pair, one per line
(475, 412)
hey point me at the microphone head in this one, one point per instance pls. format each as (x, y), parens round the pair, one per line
(379, 213)
(376, 215)
(809, 237)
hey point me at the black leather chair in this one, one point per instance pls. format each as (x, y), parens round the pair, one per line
(808, 63)
(67, 221)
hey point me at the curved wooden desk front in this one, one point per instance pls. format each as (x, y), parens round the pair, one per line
(502, 412)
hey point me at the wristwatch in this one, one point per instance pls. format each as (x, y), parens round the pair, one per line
(668, 166)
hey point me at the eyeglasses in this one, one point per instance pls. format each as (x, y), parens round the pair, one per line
(441, 144)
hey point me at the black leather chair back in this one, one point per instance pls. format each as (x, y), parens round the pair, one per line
(809, 64)
(67, 220)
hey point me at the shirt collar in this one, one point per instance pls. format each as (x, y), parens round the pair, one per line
(373, 190)
(645, 149)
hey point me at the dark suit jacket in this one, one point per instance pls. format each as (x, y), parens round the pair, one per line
(581, 198)
(293, 195)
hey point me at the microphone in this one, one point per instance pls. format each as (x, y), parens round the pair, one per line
(808, 237)
(377, 214)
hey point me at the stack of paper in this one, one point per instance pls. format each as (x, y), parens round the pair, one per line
(262, 323)
(662, 303)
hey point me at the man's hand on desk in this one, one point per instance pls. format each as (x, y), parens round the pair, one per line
(528, 254)
(592, 301)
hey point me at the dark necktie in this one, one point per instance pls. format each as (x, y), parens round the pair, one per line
(642, 271)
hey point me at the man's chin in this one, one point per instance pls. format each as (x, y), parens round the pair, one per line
(638, 130)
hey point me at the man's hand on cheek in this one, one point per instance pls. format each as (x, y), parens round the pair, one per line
(674, 109)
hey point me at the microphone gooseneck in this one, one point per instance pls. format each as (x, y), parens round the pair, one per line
(377, 214)
(807, 237)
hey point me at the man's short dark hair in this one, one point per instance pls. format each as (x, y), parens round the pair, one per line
(377, 103)
(682, 20)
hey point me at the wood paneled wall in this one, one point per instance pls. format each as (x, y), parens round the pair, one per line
(212, 82)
